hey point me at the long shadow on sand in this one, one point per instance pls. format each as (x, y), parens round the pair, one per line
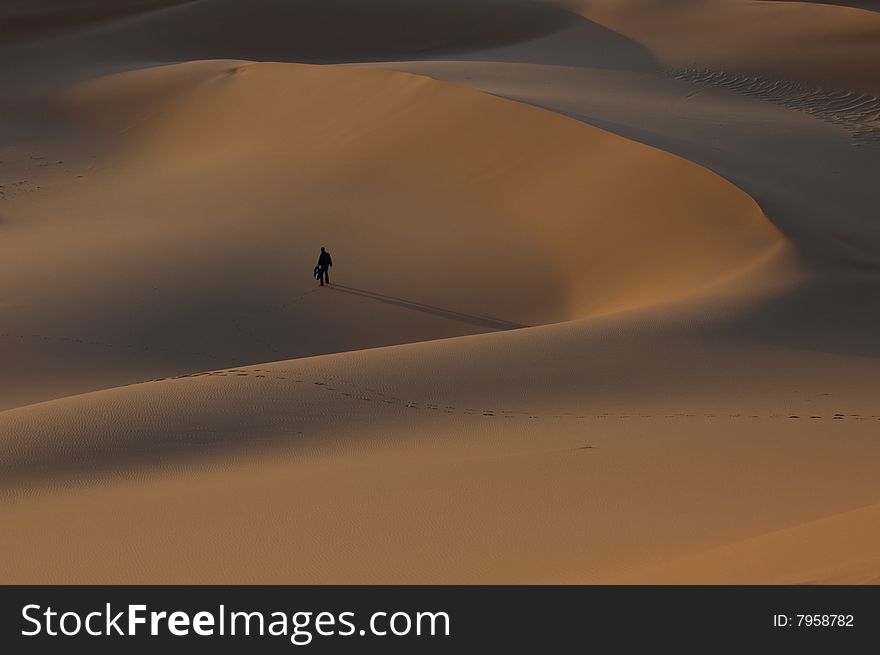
(472, 319)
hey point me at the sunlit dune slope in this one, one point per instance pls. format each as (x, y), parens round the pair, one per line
(839, 549)
(832, 46)
(187, 242)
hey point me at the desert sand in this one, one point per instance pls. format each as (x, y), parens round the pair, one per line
(604, 307)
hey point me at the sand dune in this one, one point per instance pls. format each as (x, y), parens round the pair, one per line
(830, 46)
(302, 30)
(857, 112)
(634, 240)
(797, 555)
(210, 175)
(479, 465)
(20, 19)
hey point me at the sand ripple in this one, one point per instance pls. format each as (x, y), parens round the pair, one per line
(858, 113)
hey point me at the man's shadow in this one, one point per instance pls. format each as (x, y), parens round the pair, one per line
(472, 319)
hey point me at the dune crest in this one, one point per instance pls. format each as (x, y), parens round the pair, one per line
(613, 201)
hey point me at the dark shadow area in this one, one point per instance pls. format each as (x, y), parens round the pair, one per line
(194, 448)
(26, 19)
(472, 319)
(310, 31)
(839, 315)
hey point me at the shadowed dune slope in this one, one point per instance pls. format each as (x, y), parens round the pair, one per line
(297, 30)
(24, 19)
(186, 243)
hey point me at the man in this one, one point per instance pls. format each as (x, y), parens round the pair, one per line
(324, 263)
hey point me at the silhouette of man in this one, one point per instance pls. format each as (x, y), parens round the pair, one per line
(324, 263)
